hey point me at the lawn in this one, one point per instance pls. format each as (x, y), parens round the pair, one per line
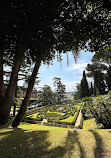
(89, 124)
(38, 141)
(34, 116)
(69, 119)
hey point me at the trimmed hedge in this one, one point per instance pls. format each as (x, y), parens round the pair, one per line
(54, 118)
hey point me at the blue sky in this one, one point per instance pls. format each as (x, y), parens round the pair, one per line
(70, 75)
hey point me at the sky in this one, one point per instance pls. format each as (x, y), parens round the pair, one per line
(70, 75)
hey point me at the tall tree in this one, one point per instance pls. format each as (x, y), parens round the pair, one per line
(108, 78)
(59, 89)
(99, 82)
(41, 27)
(96, 70)
(91, 89)
(105, 58)
(77, 94)
(84, 86)
(46, 95)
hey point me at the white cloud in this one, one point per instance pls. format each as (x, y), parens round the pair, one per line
(70, 85)
(80, 66)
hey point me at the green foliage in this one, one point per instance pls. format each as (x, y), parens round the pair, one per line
(90, 124)
(108, 78)
(109, 93)
(59, 89)
(75, 117)
(99, 83)
(86, 110)
(96, 70)
(87, 99)
(84, 86)
(77, 94)
(91, 90)
(57, 115)
(100, 108)
(46, 95)
(36, 30)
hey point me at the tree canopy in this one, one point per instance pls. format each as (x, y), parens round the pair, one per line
(37, 29)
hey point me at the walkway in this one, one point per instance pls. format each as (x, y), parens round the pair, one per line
(78, 119)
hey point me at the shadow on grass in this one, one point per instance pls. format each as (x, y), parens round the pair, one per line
(71, 141)
(25, 144)
(18, 143)
(99, 150)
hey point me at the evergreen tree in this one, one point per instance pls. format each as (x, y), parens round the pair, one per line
(42, 28)
(77, 94)
(84, 86)
(108, 78)
(60, 90)
(46, 95)
(96, 70)
(91, 89)
(99, 82)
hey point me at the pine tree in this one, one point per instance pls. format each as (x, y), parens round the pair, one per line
(99, 82)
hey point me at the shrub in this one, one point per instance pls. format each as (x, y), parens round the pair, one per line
(102, 110)
(75, 117)
(86, 111)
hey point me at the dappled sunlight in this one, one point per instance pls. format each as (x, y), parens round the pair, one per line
(57, 138)
(73, 144)
(20, 143)
(99, 148)
(39, 142)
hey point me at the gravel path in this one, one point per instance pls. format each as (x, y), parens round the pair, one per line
(78, 119)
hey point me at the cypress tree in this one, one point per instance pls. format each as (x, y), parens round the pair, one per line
(84, 86)
(91, 89)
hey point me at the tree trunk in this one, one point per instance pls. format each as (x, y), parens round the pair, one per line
(14, 104)
(2, 89)
(26, 100)
(5, 105)
(14, 110)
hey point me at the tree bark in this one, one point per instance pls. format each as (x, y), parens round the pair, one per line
(26, 100)
(5, 105)
(2, 89)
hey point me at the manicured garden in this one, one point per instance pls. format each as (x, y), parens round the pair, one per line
(58, 136)
(64, 115)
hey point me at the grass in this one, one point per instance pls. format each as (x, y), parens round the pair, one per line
(77, 106)
(68, 120)
(89, 124)
(34, 116)
(38, 141)
(60, 113)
